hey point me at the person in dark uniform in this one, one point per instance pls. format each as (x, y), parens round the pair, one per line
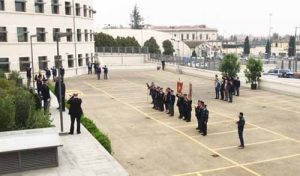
(167, 100)
(187, 108)
(171, 108)
(105, 70)
(98, 72)
(222, 89)
(45, 96)
(230, 91)
(75, 112)
(205, 120)
(54, 73)
(62, 73)
(151, 91)
(163, 64)
(198, 111)
(63, 93)
(29, 76)
(237, 85)
(161, 99)
(217, 87)
(89, 65)
(39, 84)
(180, 102)
(240, 125)
(48, 73)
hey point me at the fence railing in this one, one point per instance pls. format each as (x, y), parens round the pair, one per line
(122, 50)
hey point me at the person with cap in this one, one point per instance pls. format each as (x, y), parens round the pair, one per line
(75, 112)
(29, 76)
(198, 111)
(171, 105)
(180, 105)
(63, 93)
(105, 70)
(205, 120)
(237, 85)
(98, 71)
(45, 95)
(241, 125)
(54, 73)
(48, 73)
(217, 87)
(187, 108)
(62, 73)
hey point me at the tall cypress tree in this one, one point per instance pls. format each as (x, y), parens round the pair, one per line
(268, 48)
(291, 51)
(246, 46)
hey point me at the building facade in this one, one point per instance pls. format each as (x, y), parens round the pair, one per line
(198, 37)
(40, 20)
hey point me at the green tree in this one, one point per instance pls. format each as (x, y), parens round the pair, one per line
(253, 71)
(104, 40)
(136, 19)
(268, 49)
(152, 46)
(230, 65)
(246, 46)
(126, 42)
(194, 54)
(291, 51)
(168, 48)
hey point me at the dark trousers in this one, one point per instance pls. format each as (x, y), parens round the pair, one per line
(230, 96)
(237, 89)
(217, 93)
(180, 108)
(105, 75)
(188, 116)
(90, 71)
(167, 106)
(199, 124)
(241, 138)
(171, 109)
(98, 76)
(63, 102)
(204, 128)
(222, 95)
(46, 106)
(72, 124)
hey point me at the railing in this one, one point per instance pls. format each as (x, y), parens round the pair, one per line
(122, 50)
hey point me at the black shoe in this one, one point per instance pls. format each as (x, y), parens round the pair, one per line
(203, 134)
(78, 132)
(70, 133)
(197, 128)
(57, 108)
(188, 120)
(171, 115)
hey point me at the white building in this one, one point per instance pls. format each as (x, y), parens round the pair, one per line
(20, 19)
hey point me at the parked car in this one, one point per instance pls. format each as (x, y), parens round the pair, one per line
(281, 73)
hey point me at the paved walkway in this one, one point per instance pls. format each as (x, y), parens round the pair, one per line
(81, 155)
(150, 143)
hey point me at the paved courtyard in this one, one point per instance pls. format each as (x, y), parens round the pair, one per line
(148, 143)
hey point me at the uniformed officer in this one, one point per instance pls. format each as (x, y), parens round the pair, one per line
(205, 120)
(180, 102)
(75, 112)
(198, 111)
(187, 108)
(240, 125)
(171, 108)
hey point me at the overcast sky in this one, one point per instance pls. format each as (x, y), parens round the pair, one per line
(228, 16)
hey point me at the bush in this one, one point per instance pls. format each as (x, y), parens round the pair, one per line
(101, 137)
(230, 66)
(38, 120)
(25, 107)
(7, 114)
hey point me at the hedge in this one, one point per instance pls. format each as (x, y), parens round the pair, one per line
(92, 128)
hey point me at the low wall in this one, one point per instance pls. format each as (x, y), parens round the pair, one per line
(281, 85)
(117, 59)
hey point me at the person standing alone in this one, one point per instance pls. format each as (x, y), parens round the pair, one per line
(241, 124)
(105, 70)
(75, 112)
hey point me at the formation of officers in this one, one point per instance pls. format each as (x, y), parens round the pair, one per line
(165, 101)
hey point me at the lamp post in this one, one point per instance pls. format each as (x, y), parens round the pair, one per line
(59, 35)
(295, 51)
(31, 36)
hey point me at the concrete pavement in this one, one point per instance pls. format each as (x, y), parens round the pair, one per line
(147, 142)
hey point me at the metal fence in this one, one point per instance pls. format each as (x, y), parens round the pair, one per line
(208, 64)
(122, 50)
(293, 65)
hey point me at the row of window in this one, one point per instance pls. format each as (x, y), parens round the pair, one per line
(193, 37)
(24, 62)
(20, 6)
(22, 34)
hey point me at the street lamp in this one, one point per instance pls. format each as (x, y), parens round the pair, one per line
(31, 36)
(295, 51)
(59, 35)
